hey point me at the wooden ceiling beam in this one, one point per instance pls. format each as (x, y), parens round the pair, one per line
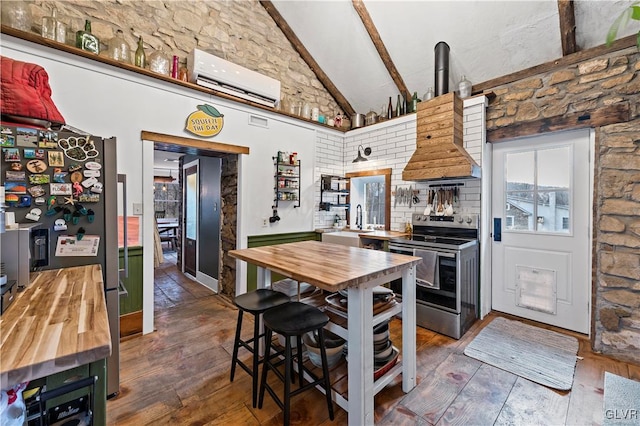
(567, 27)
(363, 13)
(565, 61)
(307, 58)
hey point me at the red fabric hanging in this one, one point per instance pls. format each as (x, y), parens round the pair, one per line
(26, 94)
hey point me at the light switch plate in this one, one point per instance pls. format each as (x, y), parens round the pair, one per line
(137, 208)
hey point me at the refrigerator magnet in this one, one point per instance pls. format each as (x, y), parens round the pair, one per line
(39, 201)
(7, 140)
(40, 153)
(59, 176)
(15, 188)
(34, 214)
(77, 189)
(89, 198)
(91, 173)
(25, 201)
(88, 183)
(76, 177)
(59, 225)
(60, 189)
(74, 167)
(56, 159)
(14, 176)
(11, 154)
(36, 191)
(92, 165)
(16, 167)
(26, 136)
(39, 179)
(36, 166)
(29, 154)
(78, 149)
(12, 200)
(97, 188)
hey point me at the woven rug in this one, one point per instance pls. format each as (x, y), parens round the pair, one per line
(621, 400)
(542, 356)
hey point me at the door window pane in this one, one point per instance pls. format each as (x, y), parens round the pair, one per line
(191, 195)
(538, 190)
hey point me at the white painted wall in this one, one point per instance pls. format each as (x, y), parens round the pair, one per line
(107, 101)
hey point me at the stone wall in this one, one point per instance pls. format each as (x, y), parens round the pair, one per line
(588, 85)
(229, 221)
(239, 31)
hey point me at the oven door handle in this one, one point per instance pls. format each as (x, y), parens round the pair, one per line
(449, 255)
(426, 284)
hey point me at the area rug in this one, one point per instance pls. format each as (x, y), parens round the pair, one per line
(542, 356)
(621, 400)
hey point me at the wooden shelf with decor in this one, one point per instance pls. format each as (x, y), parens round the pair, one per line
(37, 39)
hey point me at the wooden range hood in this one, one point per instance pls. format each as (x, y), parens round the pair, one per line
(439, 147)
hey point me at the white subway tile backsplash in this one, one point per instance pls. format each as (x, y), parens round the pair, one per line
(392, 145)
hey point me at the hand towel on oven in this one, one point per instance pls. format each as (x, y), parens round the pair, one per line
(426, 270)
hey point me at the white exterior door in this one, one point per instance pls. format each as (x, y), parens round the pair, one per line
(541, 204)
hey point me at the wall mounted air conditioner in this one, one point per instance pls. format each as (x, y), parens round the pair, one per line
(210, 71)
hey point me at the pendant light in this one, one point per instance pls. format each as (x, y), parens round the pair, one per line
(359, 158)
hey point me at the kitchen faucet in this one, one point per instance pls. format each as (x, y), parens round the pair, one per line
(359, 216)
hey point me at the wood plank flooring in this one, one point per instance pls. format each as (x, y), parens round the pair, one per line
(179, 375)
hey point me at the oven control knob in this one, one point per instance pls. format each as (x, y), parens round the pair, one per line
(459, 219)
(417, 217)
(425, 218)
(468, 219)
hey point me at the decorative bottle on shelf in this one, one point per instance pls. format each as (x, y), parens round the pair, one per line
(87, 41)
(174, 67)
(140, 57)
(429, 95)
(17, 14)
(159, 62)
(464, 87)
(398, 108)
(390, 109)
(119, 48)
(52, 28)
(183, 73)
(414, 102)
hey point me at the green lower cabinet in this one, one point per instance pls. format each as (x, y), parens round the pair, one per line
(67, 402)
(132, 302)
(268, 240)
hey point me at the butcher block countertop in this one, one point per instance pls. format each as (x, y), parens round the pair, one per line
(331, 267)
(58, 322)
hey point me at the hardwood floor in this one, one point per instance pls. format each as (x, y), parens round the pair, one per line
(180, 375)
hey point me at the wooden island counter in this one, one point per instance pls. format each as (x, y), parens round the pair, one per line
(334, 267)
(57, 323)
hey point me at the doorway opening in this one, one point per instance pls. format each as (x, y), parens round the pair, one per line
(227, 155)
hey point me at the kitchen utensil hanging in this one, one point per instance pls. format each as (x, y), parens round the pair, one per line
(405, 196)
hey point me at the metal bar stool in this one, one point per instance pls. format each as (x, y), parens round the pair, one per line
(255, 303)
(293, 320)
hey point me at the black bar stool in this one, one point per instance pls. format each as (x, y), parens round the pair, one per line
(293, 320)
(255, 303)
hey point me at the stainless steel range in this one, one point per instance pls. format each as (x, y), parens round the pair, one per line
(447, 278)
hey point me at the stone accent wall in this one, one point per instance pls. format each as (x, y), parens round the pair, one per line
(617, 220)
(239, 31)
(588, 85)
(229, 221)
